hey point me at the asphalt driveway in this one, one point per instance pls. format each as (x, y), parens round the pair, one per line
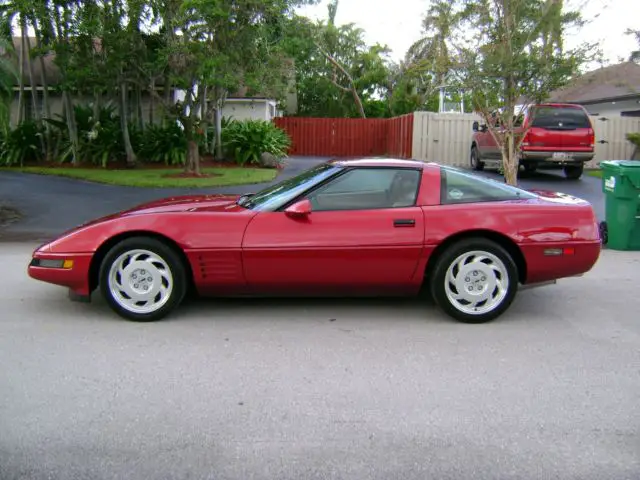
(50, 205)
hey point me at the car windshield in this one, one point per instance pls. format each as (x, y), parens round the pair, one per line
(560, 118)
(279, 194)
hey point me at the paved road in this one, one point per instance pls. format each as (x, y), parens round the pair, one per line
(51, 205)
(322, 389)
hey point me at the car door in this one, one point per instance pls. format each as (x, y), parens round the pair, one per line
(359, 234)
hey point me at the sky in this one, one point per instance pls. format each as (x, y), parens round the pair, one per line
(397, 23)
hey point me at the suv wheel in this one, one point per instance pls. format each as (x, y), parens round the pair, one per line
(573, 172)
(476, 164)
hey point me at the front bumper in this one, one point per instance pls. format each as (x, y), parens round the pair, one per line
(66, 270)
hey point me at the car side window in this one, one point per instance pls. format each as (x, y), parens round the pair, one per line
(458, 186)
(367, 189)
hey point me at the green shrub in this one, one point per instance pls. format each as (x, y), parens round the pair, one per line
(245, 141)
(99, 139)
(163, 144)
(634, 138)
(21, 144)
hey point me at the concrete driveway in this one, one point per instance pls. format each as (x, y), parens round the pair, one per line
(322, 389)
(51, 205)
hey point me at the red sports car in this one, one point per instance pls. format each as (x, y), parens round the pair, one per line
(345, 227)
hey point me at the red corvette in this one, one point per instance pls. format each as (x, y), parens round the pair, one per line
(356, 227)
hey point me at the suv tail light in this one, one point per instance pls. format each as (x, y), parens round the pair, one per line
(592, 138)
(525, 140)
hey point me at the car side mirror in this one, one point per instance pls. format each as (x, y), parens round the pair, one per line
(476, 126)
(299, 209)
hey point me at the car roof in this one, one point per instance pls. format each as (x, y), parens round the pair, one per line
(382, 162)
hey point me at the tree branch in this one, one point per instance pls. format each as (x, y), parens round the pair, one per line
(352, 88)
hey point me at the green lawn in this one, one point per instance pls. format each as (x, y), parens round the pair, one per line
(594, 173)
(152, 177)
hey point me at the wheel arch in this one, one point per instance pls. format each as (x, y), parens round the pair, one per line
(103, 249)
(501, 239)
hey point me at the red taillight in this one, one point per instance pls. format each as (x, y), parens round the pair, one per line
(525, 140)
(592, 138)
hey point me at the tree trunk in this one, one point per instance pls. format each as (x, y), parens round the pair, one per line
(140, 118)
(204, 119)
(193, 157)
(510, 159)
(34, 93)
(23, 48)
(124, 124)
(72, 127)
(32, 80)
(218, 116)
(43, 73)
(45, 93)
(152, 99)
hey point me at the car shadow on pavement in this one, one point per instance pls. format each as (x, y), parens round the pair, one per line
(527, 306)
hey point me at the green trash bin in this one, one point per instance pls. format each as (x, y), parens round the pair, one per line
(621, 185)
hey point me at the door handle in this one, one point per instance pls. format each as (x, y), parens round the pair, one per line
(404, 222)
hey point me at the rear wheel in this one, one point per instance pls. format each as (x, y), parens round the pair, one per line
(474, 280)
(573, 172)
(143, 279)
(476, 163)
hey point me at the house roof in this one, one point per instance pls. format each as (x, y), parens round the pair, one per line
(53, 72)
(607, 83)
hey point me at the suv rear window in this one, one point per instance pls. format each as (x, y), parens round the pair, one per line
(560, 118)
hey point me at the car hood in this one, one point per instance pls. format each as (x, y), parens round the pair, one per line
(187, 203)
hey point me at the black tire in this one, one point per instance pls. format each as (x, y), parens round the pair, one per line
(530, 167)
(168, 258)
(476, 162)
(573, 172)
(438, 284)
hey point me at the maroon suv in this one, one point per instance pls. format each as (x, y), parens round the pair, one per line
(559, 135)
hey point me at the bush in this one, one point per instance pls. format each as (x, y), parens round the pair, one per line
(99, 139)
(21, 145)
(163, 144)
(634, 138)
(245, 141)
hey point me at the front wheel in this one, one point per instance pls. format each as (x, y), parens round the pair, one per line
(474, 280)
(142, 279)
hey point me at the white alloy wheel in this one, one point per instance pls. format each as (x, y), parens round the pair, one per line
(474, 280)
(140, 281)
(143, 278)
(477, 282)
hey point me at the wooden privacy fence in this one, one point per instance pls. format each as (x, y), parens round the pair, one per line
(349, 137)
(445, 138)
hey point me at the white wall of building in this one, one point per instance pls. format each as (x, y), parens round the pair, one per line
(249, 108)
(613, 108)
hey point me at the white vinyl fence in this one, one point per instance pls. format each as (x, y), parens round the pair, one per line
(445, 138)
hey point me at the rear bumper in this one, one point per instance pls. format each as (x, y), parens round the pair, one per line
(545, 158)
(47, 267)
(543, 267)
